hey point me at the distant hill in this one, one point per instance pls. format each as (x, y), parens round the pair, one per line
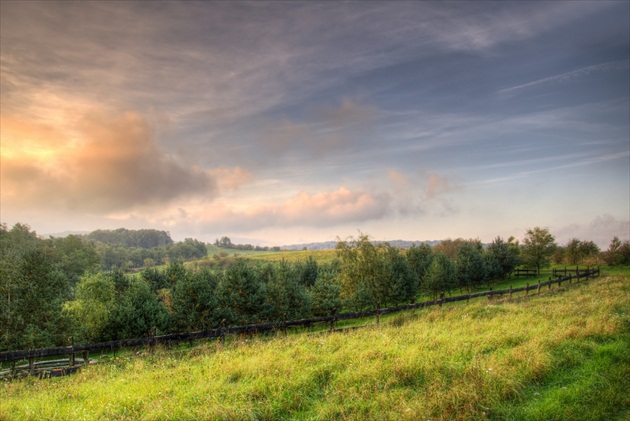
(65, 234)
(327, 245)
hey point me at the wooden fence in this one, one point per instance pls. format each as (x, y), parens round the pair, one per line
(558, 273)
(525, 272)
(84, 350)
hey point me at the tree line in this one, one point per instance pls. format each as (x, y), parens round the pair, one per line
(56, 289)
(226, 243)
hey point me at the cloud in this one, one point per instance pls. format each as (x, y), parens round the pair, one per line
(321, 209)
(318, 133)
(347, 113)
(236, 60)
(607, 67)
(423, 193)
(103, 163)
(428, 184)
(600, 230)
(438, 185)
(231, 178)
(398, 179)
(336, 207)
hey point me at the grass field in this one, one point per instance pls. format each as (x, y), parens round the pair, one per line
(321, 256)
(562, 355)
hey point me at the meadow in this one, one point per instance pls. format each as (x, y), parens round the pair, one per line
(320, 256)
(562, 355)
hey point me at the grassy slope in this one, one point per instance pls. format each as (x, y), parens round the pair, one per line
(564, 355)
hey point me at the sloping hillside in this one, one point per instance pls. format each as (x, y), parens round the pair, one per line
(562, 355)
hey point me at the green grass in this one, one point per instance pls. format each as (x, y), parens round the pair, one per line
(561, 355)
(320, 256)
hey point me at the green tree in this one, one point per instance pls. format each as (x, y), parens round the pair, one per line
(402, 281)
(174, 272)
(618, 252)
(194, 302)
(588, 250)
(224, 242)
(470, 266)
(287, 297)
(450, 247)
(440, 277)
(576, 251)
(308, 272)
(572, 251)
(75, 257)
(326, 293)
(419, 258)
(155, 278)
(95, 297)
(32, 292)
(188, 249)
(241, 296)
(137, 312)
(538, 247)
(362, 273)
(502, 257)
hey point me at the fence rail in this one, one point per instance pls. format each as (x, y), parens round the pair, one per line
(173, 338)
(525, 272)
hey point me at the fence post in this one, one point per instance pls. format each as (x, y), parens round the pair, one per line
(527, 289)
(86, 357)
(72, 355)
(510, 291)
(152, 339)
(31, 365)
(538, 290)
(549, 286)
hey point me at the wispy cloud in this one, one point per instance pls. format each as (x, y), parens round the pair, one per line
(612, 66)
(576, 161)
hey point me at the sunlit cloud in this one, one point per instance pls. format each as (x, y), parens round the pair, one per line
(114, 165)
(321, 209)
(231, 178)
(438, 185)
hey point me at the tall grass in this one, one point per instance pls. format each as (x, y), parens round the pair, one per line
(562, 355)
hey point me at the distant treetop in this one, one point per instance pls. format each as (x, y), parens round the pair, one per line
(143, 238)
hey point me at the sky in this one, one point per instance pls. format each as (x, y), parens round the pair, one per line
(279, 123)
